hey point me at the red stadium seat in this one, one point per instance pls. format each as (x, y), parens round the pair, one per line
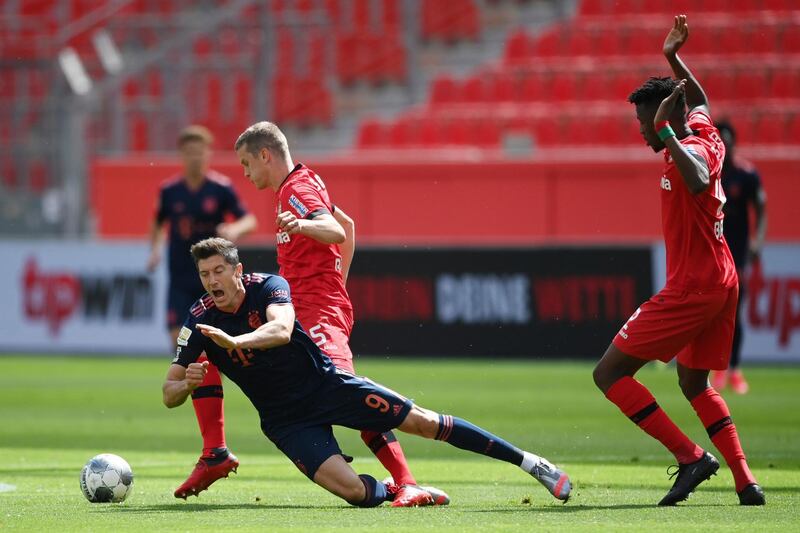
(595, 86)
(445, 91)
(751, 84)
(592, 7)
(486, 134)
(790, 40)
(401, 133)
(549, 44)
(534, 87)
(518, 46)
(733, 40)
(391, 14)
(623, 84)
(793, 131)
(718, 85)
(361, 14)
(502, 88)
(137, 132)
(762, 40)
(564, 86)
(779, 5)
(547, 131)
(785, 83)
(580, 43)
(608, 43)
(475, 90)
(371, 134)
(770, 129)
(642, 42)
(430, 132)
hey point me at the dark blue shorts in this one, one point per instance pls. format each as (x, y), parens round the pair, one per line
(305, 435)
(179, 300)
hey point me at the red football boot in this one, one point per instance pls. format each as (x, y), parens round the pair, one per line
(207, 470)
(416, 496)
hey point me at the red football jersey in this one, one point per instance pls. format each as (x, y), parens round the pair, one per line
(313, 269)
(697, 254)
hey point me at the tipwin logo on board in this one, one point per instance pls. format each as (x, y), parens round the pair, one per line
(56, 296)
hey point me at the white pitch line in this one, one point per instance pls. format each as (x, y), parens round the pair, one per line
(5, 487)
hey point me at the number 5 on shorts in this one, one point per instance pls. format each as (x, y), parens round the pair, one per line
(319, 338)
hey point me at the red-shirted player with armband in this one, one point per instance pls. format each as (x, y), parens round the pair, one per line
(693, 316)
(315, 243)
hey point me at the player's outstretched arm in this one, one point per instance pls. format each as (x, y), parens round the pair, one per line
(180, 382)
(323, 228)
(348, 247)
(276, 332)
(693, 168)
(157, 238)
(677, 36)
(233, 231)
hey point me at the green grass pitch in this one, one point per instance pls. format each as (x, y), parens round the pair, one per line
(57, 412)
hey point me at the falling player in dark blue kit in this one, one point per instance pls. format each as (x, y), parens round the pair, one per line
(246, 325)
(197, 205)
(743, 190)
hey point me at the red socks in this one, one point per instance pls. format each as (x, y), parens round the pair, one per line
(207, 402)
(390, 454)
(714, 414)
(638, 404)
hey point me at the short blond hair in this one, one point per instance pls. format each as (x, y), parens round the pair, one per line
(263, 135)
(195, 132)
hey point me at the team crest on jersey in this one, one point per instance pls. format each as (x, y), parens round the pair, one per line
(183, 337)
(666, 184)
(254, 320)
(301, 209)
(210, 205)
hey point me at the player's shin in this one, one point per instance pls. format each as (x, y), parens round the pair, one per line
(207, 400)
(636, 402)
(462, 434)
(375, 492)
(716, 418)
(390, 454)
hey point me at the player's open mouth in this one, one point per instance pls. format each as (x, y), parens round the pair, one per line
(218, 293)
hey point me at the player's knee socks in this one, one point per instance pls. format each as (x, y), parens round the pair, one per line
(208, 407)
(636, 402)
(716, 418)
(466, 436)
(390, 454)
(375, 492)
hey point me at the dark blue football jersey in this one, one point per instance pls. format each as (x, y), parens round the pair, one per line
(194, 216)
(276, 380)
(742, 186)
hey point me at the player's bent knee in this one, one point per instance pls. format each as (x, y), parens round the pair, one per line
(421, 422)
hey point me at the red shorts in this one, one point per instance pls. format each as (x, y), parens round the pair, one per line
(697, 327)
(329, 327)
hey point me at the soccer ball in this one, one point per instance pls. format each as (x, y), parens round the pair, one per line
(106, 478)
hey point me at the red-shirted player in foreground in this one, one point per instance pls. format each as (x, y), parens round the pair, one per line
(693, 315)
(315, 243)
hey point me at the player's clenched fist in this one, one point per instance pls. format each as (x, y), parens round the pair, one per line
(196, 373)
(289, 223)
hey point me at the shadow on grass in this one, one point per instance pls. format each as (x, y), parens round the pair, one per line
(580, 508)
(195, 507)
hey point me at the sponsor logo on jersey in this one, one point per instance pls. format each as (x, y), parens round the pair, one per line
(301, 209)
(183, 336)
(279, 293)
(666, 184)
(282, 237)
(254, 320)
